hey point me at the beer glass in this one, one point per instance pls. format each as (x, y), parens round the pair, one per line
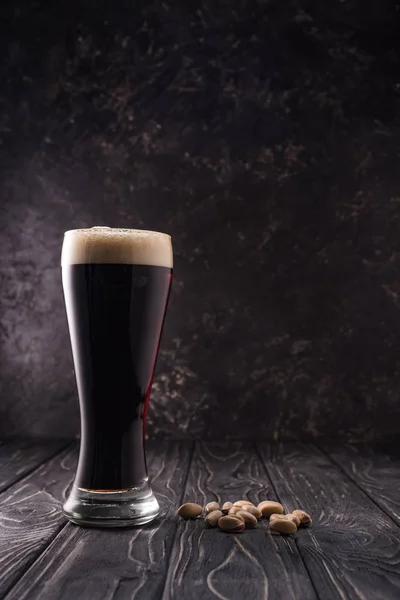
(116, 286)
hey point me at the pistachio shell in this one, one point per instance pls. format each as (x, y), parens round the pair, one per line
(283, 526)
(213, 517)
(304, 517)
(275, 516)
(226, 507)
(212, 506)
(269, 507)
(250, 520)
(190, 510)
(234, 510)
(253, 510)
(294, 518)
(231, 523)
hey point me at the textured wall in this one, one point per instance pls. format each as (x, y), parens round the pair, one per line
(265, 138)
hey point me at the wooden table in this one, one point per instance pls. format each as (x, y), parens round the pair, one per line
(351, 551)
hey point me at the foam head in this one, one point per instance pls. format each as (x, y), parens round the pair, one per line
(118, 246)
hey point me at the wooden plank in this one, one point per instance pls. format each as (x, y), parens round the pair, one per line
(30, 516)
(375, 471)
(208, 563)
(20, 457)
(352, 549)
(115, 563)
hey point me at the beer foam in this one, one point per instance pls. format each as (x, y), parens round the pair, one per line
(108, 245)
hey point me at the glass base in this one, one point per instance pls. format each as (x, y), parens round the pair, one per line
(124, 508)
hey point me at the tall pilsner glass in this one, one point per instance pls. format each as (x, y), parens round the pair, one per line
(116, 285)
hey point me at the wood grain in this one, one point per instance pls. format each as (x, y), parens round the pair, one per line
(20, 457)
(352, 550)
(375, 471)
(30, 515)
(208, 563)
(114, 564)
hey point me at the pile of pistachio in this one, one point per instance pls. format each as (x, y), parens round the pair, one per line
(236, 516)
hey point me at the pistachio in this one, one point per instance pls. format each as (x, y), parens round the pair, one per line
(241, 503)
(250, 520)
(283, 526)
(253, 510)
(234, 510)
(275, 516)
(190, 510)
(268, 507)
(231, 523)
(212, 506)
(226, 507)
(213, 517)
(304, 517)
(292, 517)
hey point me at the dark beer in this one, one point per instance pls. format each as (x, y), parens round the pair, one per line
(115, 312)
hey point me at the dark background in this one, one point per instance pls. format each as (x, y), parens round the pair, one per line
(264, 136)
